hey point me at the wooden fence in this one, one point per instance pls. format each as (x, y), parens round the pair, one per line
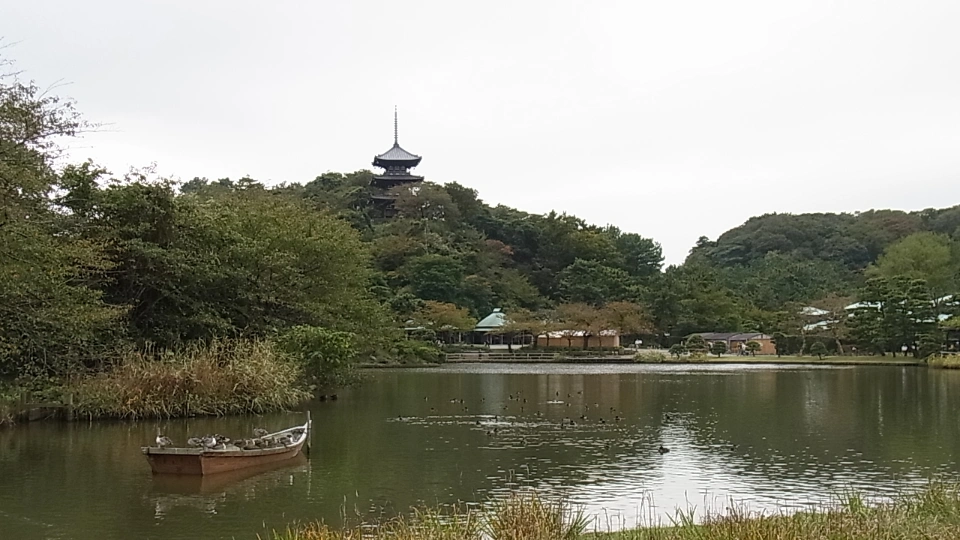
(28, 409)
(501, 357)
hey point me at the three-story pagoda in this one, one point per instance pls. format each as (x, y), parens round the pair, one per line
(396, 164)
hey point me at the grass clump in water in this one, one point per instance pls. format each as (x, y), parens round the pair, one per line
(218, 378)
(520, 516)
(933, 512)
(930, 513)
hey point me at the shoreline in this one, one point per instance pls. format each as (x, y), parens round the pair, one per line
(845, 361)
(930, 512)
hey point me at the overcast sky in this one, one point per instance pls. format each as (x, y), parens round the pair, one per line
(672, 119)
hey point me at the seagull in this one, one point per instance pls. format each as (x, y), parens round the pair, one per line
(260, 432)
(163, 441)
(194, 441)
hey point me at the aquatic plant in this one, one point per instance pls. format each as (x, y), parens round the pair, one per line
(521, 515)
(217, 378)
(931, 512)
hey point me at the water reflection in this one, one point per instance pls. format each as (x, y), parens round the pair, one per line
(756, 434)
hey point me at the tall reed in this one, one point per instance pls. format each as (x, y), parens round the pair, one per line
(520, 516)
(216, 378)
(930, 513)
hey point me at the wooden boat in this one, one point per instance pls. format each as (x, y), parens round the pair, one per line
(205, 461)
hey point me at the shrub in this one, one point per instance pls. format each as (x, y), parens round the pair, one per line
(222, 377)
(818, 349)
(416, 351)
(650, 357)
(678, 350)
(327, 356)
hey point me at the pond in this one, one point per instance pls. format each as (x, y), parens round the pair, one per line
(769, 437)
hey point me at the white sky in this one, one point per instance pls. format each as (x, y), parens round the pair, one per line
(672, 119)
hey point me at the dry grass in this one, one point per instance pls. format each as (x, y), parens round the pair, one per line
(222, 377)
(944, 362)
(931, 513)
(521, 516)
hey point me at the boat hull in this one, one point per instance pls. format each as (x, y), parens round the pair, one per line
(200, 461)
(210, 463)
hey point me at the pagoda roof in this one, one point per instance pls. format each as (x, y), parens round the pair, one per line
(397, 154)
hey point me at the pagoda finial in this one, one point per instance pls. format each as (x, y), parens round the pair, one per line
(396, 141)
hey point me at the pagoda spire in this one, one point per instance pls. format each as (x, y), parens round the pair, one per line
(396, 139)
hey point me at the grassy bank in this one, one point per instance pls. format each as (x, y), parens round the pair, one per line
(222, 377)
(932, 512)
(945, 362)
(658, 357)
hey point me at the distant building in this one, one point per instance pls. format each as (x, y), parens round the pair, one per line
(396, 164)
(489, 331)
(737, 341)
(608, 339)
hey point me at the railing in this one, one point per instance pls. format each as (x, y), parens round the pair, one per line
(501, 357)
(28, 409)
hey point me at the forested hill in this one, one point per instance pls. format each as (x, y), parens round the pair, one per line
(446, 246)
(852, 241)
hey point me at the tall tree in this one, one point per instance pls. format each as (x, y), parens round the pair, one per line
(51, 319)
(626, 318)
(932, 257)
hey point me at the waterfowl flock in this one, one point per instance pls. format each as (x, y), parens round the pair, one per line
(261, 439)
(511, 427)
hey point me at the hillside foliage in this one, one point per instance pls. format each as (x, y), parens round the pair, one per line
(94, 264)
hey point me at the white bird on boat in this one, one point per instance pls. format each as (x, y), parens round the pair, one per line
(163, 441)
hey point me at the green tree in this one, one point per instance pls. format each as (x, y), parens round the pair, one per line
(435, 277)
(52, 321)
(780, 344)
(819, 349)
(892, 313)
(627, 318)
(580, 319)
(696, 344)
(594, 283)
(718, 348)
(448, 320)
(642, 257)
(327, 356)
(930, 344)
(678, 350)
(753, 347)
(926, 256)
(425, 201)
